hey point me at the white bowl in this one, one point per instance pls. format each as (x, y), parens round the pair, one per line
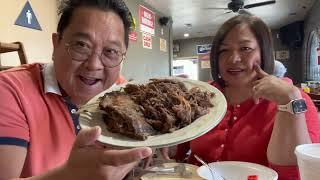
(237, 170)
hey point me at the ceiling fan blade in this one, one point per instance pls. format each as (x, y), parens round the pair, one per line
(213, 8)
(258, 4)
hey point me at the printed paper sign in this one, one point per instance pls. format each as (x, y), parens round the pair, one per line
(282, 55)
(133, 36)
(203, 49)
(146, 41)
(27, 18)
(204, 60)
(204, 57)
(163, 45)
(205, 64)
(147, 20)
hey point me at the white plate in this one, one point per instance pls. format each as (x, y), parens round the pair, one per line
(189, 167)
(237, 170)
(194, 130)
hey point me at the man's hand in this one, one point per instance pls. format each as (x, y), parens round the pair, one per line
(88, 161)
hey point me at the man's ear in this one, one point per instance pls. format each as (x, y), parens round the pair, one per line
(55, 40)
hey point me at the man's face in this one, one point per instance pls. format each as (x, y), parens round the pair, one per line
(98, 31)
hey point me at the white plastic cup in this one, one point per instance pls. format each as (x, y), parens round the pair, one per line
(308, 156)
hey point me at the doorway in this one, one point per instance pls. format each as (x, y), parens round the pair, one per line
(185, 67)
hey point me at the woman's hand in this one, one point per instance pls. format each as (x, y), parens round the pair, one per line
(88, 161)
(272, 88)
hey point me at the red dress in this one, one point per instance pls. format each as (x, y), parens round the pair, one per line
(244, 134)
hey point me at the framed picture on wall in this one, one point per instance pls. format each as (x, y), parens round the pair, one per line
(176, 47)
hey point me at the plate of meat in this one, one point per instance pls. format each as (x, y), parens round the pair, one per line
(155, 113)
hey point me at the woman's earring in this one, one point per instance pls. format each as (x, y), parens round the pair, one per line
(219, 76)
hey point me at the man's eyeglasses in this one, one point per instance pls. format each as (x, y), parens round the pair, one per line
(81, 51)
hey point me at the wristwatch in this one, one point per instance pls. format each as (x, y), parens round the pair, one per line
(294, 106)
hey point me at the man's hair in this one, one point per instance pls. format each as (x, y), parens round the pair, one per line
(262, 34)
(67, 7)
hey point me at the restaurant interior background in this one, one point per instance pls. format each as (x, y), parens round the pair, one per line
(158, 46)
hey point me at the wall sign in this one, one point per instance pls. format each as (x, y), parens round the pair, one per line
(163, 45)
(204, 60)
(176, 47)
(205, 65)
(282, 55)
(146, 41)
(27, 18)
(147, 20)
(203, 49)
(133, 36)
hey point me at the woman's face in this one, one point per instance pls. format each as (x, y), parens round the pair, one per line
(238, 53)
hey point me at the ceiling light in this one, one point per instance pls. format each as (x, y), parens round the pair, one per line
(186, 35)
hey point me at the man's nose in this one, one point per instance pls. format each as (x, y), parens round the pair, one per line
(94, 62)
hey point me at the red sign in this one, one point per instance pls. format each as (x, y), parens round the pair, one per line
(133, 36)
(146, 41)
(147, 20)
(318, 53)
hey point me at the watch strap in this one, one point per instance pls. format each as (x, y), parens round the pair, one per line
(295, 106)
(286, 107)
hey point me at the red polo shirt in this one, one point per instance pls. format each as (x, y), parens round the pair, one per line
(244, 134)
(35, 118)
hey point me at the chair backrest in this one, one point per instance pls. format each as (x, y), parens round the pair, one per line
(316, 99)
(12, 47)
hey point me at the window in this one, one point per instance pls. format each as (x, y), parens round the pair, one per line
(313, 65)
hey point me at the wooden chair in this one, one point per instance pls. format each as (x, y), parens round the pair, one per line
(11, 47)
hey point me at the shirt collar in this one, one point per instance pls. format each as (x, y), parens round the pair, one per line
(50, 81)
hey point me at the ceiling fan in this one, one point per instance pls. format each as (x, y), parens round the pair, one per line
(238, 5)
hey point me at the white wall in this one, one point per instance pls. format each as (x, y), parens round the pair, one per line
(37, 43)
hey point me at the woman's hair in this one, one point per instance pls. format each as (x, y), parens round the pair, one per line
(262, 34)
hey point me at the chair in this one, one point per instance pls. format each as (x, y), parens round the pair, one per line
(316, 99)
(11, 47)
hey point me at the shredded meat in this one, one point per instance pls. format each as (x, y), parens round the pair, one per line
(161, 106)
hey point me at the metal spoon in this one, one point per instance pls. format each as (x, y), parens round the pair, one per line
(214, 175)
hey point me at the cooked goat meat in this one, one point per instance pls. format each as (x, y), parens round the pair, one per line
(161, 106)
(124, 116)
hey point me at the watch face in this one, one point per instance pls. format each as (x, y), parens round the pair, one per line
(299, 106)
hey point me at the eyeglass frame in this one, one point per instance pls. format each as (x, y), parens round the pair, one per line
(121, 55)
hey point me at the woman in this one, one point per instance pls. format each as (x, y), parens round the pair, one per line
(256, 128)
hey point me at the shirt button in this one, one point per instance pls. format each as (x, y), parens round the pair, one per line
(235, 118)
(78, 127)
(73, 111)
(238, 105)
(226, 130)
(222, 145)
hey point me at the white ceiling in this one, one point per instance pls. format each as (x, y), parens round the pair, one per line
(205, 22)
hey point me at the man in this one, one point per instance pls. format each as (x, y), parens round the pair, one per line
(39, 129)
